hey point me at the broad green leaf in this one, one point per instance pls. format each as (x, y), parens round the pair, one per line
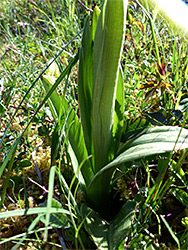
(96, 227)
(133, 127)
(78, 149)
(118, 116)
(109, 235)
(72, 126)
(85, 77)
(156, 140)
(58, 104)
(121, 226)
(108, 45)
(160, 136)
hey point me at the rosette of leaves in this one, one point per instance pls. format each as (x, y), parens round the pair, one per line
(94, 139)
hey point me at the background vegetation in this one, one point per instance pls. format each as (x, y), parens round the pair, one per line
(31, 34)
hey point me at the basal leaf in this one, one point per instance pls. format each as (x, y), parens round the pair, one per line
(96, 227)
(109, 235)
(156, 140)
(73, 128)
(58, 104)
(118, 116)
(85, 77)
(133, 127)
(108, 45)
(121, 226)
(78, 149)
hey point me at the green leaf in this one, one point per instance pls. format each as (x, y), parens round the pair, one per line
(49, 200)
(171, 231)
(2, 108)
(180, 195)
(108, 46)
(50, 81)
(156, 140)
(121, 225)
(55, 143)
(109, 235)
(6, 180)
(179, 172)
(85, 77)
(118, 116)
(56, 140)
(56, 220)
(96, 227)
(72, 126)
(58, 104)
(35, 210)
(78, 151)
(133, 127)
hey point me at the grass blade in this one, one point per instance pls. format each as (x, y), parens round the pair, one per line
(36, 210)
(49, 200)
(170, 231)
(64, 73)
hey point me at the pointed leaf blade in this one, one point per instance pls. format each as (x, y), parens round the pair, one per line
(85, 77)
(77, 143)
(107, 51)
(74, 128)
(118, 116)
(121, 226)
(96, 227)
(156, 140)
